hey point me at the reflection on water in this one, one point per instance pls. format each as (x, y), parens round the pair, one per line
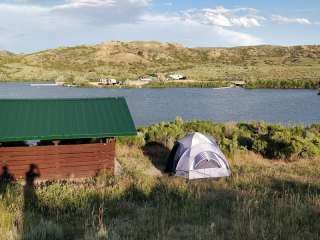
(155, 105)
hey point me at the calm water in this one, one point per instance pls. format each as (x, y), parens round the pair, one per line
(155, 105)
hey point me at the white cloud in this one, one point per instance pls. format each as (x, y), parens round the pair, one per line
(86, 3)
(287, 20)
(32, 27)
(220, 16)
(194, 33)
(102, 11)
(206, 27)
(75, 13)
(101, 3)
(235, 38)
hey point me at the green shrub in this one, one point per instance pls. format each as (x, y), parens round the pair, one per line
(271, 141)
(289, 83)
(133, 141)
(260, 146)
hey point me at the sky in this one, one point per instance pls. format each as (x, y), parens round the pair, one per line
(34, 25)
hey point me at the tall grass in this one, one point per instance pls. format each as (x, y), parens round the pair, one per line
(263, 199)
(307, 84)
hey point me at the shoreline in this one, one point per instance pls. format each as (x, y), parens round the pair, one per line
(193, 84)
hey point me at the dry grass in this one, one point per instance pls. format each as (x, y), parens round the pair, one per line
(263, 199)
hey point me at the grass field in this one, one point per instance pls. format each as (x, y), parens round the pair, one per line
(263, 199)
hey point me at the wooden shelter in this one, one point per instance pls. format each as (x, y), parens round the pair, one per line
(63, 138)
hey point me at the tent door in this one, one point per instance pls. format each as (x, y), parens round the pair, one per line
(206, 160)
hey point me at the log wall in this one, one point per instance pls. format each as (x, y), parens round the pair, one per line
(59, 162)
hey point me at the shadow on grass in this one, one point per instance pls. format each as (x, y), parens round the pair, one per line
(6, 179)
(173, 209)
(30, 203)
(158, 154)
(161, 213)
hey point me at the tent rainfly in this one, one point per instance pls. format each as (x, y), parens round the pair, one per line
(197, 156)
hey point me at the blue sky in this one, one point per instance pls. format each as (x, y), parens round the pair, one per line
(34, 25)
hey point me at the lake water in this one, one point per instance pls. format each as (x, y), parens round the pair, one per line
(223, 105)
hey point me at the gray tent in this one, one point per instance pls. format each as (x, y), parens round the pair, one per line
(197, 156)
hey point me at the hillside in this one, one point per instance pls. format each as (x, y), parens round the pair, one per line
(128, 60)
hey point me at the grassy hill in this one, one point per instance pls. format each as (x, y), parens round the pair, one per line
(128, 60)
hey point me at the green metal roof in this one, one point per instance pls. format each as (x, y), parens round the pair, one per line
(49, 119)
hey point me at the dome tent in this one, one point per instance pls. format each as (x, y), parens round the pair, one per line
(197, 156)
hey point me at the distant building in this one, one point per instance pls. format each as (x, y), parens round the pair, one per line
(146, 78)
(108, 81)
(176, 77)
(238, 83)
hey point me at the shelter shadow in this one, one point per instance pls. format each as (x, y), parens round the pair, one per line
(158, 154)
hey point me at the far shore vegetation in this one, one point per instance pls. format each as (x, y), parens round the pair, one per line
(273, 193)
(259, 66)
